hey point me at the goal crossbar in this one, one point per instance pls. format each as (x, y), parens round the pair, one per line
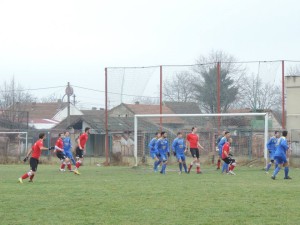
(266, 128)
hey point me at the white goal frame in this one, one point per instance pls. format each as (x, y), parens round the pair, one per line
(266, 115)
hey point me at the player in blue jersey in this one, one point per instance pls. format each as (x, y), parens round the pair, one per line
(154, 152)
(280, 156)
(222, 142)
(68, 147)
(217, 149)
(179, 148)
(162, 146)
(271, 146)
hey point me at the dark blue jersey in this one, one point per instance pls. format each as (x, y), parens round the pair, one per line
(178, 146)
(151, 145)
(162, 146)
(282, 147)
(271, 145)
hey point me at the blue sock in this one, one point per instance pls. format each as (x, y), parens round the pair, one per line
(223, 167)
(73, 161)
(276, 171)
(180, 167)
(269, 166)
(154, 165)
(286, 171)
(185, 168)
(227, 167)
(276, 165)
(164, 168)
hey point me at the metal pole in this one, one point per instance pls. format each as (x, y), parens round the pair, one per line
(266, 138)
(68, 117)
(106, 121)
(136, 139)
(219, 93)
(283, 96)
(160, 96)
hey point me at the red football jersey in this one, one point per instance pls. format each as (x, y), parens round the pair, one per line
(226, 148)
(193, 139)
(83, 139)
(59, 143)
(36, 149)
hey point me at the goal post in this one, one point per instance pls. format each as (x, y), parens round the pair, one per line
(213, 122)
(13, 144)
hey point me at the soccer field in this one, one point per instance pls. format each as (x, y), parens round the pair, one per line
(122, 195)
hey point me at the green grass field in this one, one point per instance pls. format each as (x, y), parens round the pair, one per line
(123, 195)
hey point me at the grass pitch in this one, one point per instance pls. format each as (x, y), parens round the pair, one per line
(122, 195)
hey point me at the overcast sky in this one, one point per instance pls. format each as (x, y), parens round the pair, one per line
(46, 43)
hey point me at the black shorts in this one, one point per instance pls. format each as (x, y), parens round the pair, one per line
(195, 153)
(33, 164)
(79, 153)
(61, 155)
(228, 160)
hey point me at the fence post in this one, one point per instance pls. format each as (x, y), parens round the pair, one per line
(283, 96)
(106, 122)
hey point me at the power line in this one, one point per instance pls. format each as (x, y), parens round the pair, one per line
(32, 89)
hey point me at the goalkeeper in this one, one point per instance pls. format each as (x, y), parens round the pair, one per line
(179, 148)
(36, 151)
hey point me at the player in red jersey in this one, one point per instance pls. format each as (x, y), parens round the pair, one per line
(192, 142)
(59, 149)
(226, 156)
(36, 151)
(81, 148)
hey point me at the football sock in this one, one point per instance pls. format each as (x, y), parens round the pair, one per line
(31, 177)
(286, 171)
(269, 166)
(63, 165)
(276, 171)
(180, 167)
(69, 166)
(231, 168)
(219, 164)
(198, 169)
(154, 165)
(25, 176)
(73, 161)
(78, 164)
(185, 168)
(224, 167)
(190, 167)
(164, 168)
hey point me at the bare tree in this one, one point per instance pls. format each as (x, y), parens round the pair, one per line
(179, 88)
(146, 100)
(257, 95)
(54, 97)
(14, 101)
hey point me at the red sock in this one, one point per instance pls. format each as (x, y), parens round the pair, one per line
(69, 166)
(62, 165)
(198, 169)
(231, 167)
(219, 164)
(190, 167)
(78, 164)
(32, 176)
(25, 176)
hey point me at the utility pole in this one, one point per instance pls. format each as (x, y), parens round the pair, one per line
(69, 92)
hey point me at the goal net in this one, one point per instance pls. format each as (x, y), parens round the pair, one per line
(249, 132)
(13, 145)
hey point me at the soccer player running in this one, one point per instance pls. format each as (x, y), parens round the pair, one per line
(280, 156)
(68, 147)
(36, 151)
(271, 146)
(179, 148)
(222, 142)
(154, 152)
(192, 142)
(59, 149)
(162, 146)
(226, 156)
(81, 148)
